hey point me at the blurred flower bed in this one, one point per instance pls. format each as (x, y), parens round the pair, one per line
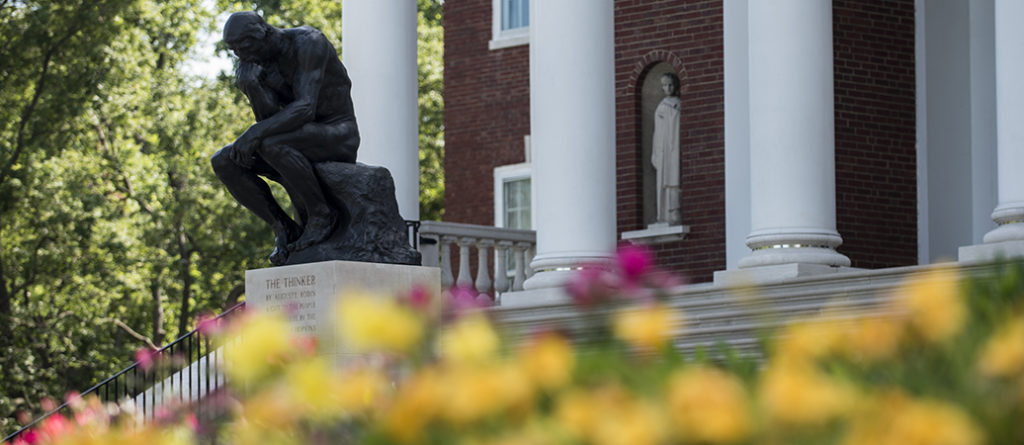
(943, 363)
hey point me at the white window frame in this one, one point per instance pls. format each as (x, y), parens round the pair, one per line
(507, 38)
(506, 173)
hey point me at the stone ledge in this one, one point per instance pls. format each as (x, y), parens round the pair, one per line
(657, 233)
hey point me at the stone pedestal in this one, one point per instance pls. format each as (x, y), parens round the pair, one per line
(307, 293)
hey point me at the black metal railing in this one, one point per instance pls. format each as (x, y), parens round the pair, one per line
(187, 370)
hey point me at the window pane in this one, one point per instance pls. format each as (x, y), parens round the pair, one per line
(516, 194)
(515, 14)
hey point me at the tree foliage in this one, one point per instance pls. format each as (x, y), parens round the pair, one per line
(114, 232)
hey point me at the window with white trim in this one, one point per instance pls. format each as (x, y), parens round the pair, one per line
(513, 203)
(511, 23)
(516, 197)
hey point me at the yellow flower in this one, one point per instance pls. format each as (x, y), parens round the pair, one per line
(359, 390)
(872, 339)
(475, 392)
(368, 322)
(796, 393)
(470, 340)
(933, 304)
(260, 341)
(576, 413)
(470, 394)
(416, 403)
(649, 327)
(894, 419)
(635, 422)
(272, 408)
(806, 340)
(242, 433)
(307, 381)
(548, 360)
(610, 416)
(1003, 355)
(708, 405)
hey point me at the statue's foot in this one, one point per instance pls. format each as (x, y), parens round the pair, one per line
(317, 229)
(282, 236)
(279, 256)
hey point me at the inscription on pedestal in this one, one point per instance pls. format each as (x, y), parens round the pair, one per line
(307, 294)
(294, 296)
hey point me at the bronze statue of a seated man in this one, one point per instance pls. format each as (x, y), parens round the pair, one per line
(300, 93)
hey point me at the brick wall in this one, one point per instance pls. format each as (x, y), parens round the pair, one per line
(687, 35)
(487, 114)
(487, 110)
(876, 185)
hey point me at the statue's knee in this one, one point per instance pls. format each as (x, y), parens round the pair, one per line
(272, 149)
(221, 160)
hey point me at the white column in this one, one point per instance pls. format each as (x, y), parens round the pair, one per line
(792, 142)
(1008, 238)
(379, 51)
(572, 125)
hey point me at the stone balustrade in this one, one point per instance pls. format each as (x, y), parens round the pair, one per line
(490, 243)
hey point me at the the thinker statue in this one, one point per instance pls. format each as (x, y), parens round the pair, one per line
(300, 93)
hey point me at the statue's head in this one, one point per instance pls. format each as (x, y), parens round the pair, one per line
(670, 84)
(244, 34)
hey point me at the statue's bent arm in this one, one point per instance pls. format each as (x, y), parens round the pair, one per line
(312, 61)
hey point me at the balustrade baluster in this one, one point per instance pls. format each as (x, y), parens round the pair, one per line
(501, 268)
(447, 279)
(483, 278)
(465, 278)
(520, 256)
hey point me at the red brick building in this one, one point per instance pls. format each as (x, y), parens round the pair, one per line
(886, 214)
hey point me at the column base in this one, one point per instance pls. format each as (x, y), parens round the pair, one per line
(549, 279)
(1005, 232)
(823, 256)
(988, 252)
(555, 271)
(552, 296)
(775, 273)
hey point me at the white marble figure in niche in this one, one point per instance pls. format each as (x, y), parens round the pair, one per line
(665, 151)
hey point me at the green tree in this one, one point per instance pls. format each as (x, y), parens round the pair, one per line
(112, 224)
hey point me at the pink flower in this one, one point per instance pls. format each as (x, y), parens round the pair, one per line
(29, 437)
(467, 299)
(590, 285)
(144, 356)
(419, 297)
(208, 324)
(55, 426)
(634, 261)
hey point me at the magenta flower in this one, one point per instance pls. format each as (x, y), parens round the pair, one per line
(590, 285)
(29, 437)
(467, 299)
(634, 261)
(55, 426)
(419, 297)
(144, 356)
(208, 324)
